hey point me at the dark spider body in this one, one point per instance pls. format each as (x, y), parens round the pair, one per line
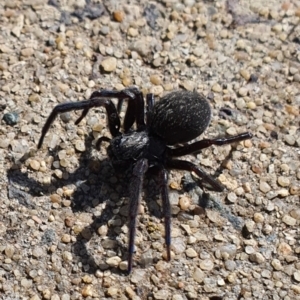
(163, 128)
(128, 148)
(177, 118)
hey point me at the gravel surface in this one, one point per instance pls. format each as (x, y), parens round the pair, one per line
(63, 220)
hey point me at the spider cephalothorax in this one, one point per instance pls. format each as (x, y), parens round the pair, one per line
(177, 118)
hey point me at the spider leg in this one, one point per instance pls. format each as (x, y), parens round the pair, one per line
(100, 140)
(135, 110)
(129, 116)
(150, 106)
(197, 146)
(163, 180)
(119, 105)
(136, 184)
(188, 166)
(113, 118)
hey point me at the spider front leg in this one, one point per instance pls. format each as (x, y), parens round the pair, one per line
(139, 169)
(135, 109)
(113, 118)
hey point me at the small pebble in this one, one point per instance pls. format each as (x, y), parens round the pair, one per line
(65, 162)
(112, 291)
(87, 279)
(258, 218)
(257, 258)
(243, 91)
(288, 220)
(283, 192)
(267, 229)
(46, 294)
(34, 98)
(283, 181)
(55, 198)
(67, 256)
(109, 64)
(213, 216)
(66, 116)
(123, 265)
(251, 105)
(68, 192)
(228, 250)
(206, 265)
(9, 251)
(38, 252)
(137, 275)
(245, 73)
(264, 187)
(230, 265)
(295, 189)
(113, 261)
(296, 276)
(250, 225)
(240, 44)
(130, 292)
(66, 238)
(57, 172)
(188, 85)
(26, 283)
(26, 52)
(221, 282)
(157, 90)
(276, 264)
(118, 15)
(295, 288)
(87, 291)
(290, 139)
(284, 249)
(161, 295)
(232, 197)
(133, 32)
(216, 88)
(191, 253)
(11, 118)
(231, 278)
(249, 250)
(104, 30)
(295, 213)
(184, 203)
(198, 275)
(231, 131)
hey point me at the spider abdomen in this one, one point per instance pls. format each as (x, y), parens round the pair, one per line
(180, 116)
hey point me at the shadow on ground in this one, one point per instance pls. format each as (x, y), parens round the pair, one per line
(91, 190)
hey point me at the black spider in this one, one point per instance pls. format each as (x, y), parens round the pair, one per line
(177, 118)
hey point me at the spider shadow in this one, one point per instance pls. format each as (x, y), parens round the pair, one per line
(96, 182)
(152, 194)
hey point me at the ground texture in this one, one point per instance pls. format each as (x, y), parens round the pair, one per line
(63, 209)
